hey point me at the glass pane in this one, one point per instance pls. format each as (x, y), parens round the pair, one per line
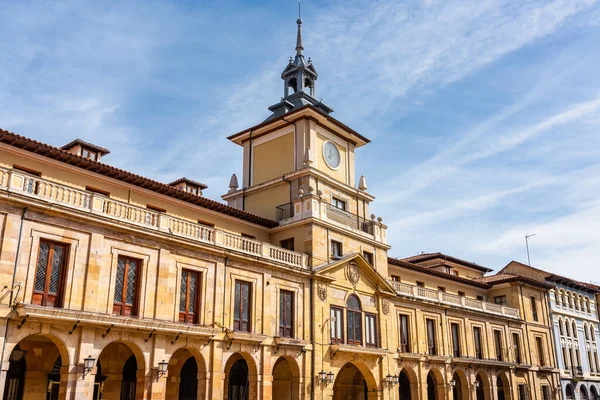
(350, 326)
(131, 278)
(353, 303)
(332, 324)
(120, 280)
(282, 308)
(288, 310)
(238, 296)
(338, 323)
(183, 291)
(40, 274)
(193, 291)
(245, 302)
(56, 267)
(357, 327)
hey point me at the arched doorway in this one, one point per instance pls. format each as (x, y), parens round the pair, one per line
(352, 384)
(404, 386)
(187, 377)
(286, 379)
(35, 365)
(569, 392)
(238, 385)
(594, 393)
(431, 386)
(479, 388)
(584, 393)
(502, 388)
(459, 384)
(117, 370)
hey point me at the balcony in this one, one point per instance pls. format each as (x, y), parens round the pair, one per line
(346, 218)
(440, 297)
(97, 204)
(284, 211)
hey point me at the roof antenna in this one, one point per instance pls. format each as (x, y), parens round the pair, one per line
(527, 245)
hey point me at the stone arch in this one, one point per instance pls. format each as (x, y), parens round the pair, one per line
(232, 365)
(39, 365)
(286, 378)
(117, 360)
(354, 379)
(408, 384)
(569, 393)
(503, 387)
(435, 386)
(583, 392)
(483, 388)
(594, 393)
(460, 385)
(186, 374)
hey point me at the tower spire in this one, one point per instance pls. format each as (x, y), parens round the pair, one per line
(299, 47)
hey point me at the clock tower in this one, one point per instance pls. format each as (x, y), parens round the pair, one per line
(298, 169)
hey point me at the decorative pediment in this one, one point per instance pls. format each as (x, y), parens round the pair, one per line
(354, 269)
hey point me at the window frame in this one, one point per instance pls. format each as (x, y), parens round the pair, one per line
(375, 339)
(286, 331)
(134, 308)
(339, 245)
(369, 257)
(45, 295)
(356, 314)
(539, 347)
(238, 303)
(534, 310)
(195, 319)
(517, 347)
(404, 347)
(477, 343)
(335, 327)
(287, 244)
(455, 336)
(431, 336)
(497, 333)
(501, 300)
(336, 202)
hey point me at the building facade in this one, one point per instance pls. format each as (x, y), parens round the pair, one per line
(116, 286)
(574, 316)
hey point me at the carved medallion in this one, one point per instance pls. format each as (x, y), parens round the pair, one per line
(385, 307)
(322, 291)
(353, 273)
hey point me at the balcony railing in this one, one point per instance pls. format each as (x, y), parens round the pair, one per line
(97, 204)
(347, 218)
(452, 299)
(284, 211)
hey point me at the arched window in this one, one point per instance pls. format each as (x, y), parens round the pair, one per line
(354, 320)
(561, 297)
(570, 299)
(584, 393)
(561, 327)
(570, 394)
(587, 333)
(568, 328)
(594, 393)
(574, 330)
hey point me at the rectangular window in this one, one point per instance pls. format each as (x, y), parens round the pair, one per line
(354, 327)
(447, 270)
(368, 257)
(498, 344)
(287, 244)
(247, 235)
(461, 294)
(189, 299)
(534, 312)
(337, 203)
(286, 313)
(500, 300)
(49, 274)
(99, 191)
(477, 339)
(127, 287)
(523, 392)
(455, 272)
(337, 324)
(241, 306)
(442, 289)
(455, 340)
(431, 342)
(404, 334)
(91, 155)
(370, 330)
(545, 392)
(517, 347)
(336, 249)
(420, 284)
(540, 351)
(480, 298)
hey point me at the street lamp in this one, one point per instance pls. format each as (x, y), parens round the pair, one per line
(88, 365)
(162, 368)
(17, 354)
(330, 377)
(391, 380)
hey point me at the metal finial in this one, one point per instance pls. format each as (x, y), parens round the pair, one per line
(298, 9)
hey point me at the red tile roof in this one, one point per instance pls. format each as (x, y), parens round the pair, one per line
(504, 278)
(46, 150)
(431, 256)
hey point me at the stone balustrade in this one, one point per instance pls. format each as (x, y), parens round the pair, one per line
(438, 296)
(94, 203)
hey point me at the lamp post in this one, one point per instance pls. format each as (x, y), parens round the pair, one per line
(325, 377)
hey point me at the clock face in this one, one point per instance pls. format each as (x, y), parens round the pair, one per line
(331, 154)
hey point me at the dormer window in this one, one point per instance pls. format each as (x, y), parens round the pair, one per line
(86, 150)
(189, 186)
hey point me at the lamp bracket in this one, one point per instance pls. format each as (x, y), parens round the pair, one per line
(74, 327)
(107, 331)
(150, 335)
(332, 354)
(23, 321)
(177, 338)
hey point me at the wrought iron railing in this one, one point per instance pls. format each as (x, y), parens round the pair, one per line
(284, 211)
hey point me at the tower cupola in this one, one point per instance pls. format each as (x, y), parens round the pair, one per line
(299, 78)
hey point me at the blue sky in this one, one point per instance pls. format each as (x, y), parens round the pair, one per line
(484, 115)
